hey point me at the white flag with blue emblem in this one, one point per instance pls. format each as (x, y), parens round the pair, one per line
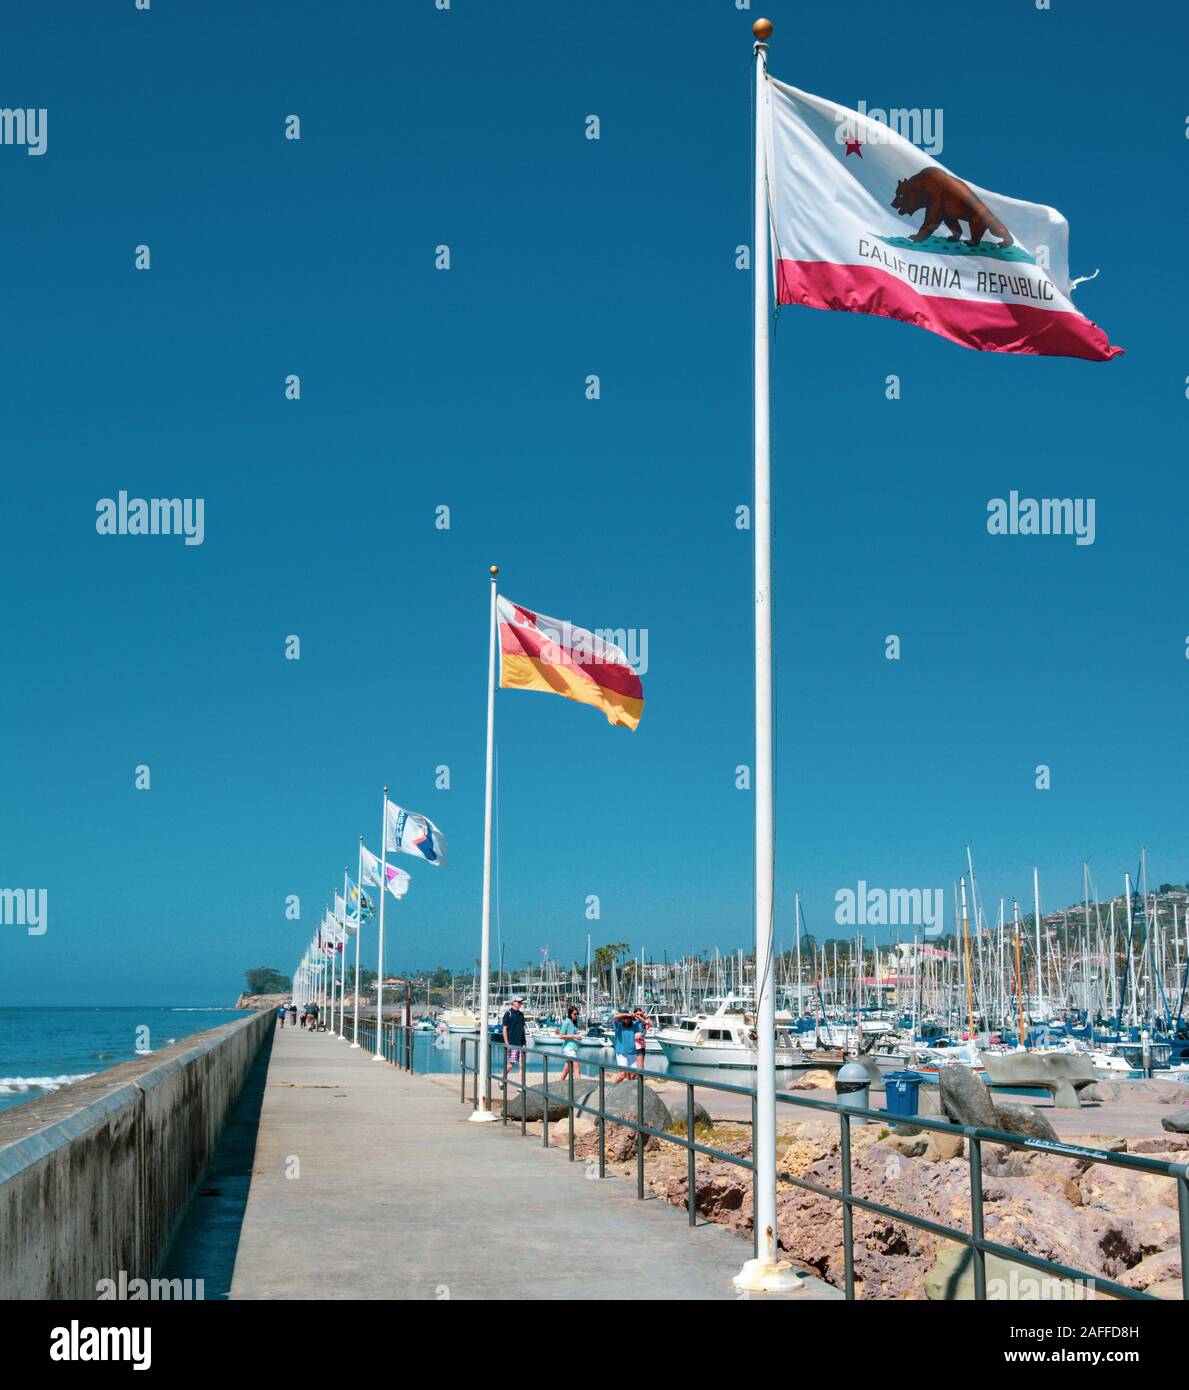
(407, 833)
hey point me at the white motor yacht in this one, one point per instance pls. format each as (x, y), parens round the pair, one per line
(725, 1038)
(459, 1020)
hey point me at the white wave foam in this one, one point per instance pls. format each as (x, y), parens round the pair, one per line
(16, 1085)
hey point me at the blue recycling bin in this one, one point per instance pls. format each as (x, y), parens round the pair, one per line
(902, 1093)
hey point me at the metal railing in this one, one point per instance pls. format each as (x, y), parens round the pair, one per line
(397, 1041)
(975, 1239)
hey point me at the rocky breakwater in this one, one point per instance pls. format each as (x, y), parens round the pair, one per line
(1106, 1221)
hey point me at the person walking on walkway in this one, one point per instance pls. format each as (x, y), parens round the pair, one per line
(515, 1039)
(569, 1033)
(281, 1016)
(312, 1014)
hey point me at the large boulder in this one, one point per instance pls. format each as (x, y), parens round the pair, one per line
(532, 1104)
(1165, 1144)
(965, 1099)
(1161, 1271)
(818, 1079)
(1022, 1119)
(620, 1099)
(930, 1145)
(1177, 1122)
(678, 1110)
(621, 1139)
(722, 1194)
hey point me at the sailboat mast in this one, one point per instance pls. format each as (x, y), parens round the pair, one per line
(1039, 957)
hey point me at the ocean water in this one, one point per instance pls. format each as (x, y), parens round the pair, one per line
(42, 1050)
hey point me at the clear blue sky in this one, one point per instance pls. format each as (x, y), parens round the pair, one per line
(466, 388)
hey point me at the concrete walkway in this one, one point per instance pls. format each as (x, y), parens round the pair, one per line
(394, 1194)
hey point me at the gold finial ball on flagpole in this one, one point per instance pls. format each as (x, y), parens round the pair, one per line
(495, 569)
(762, 29)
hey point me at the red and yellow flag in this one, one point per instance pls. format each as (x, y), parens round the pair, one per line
(540, 653)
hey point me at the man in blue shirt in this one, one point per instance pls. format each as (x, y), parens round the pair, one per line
(626, 1024)
(514, 1035)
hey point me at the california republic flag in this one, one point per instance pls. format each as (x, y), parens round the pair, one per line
(866, 222)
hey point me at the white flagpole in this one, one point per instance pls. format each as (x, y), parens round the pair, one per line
(343, 964)
(330, 982)
(322, 972)
(358, 934)
(333, 967)
(379, 1053)
(336, 990)
(484, 1059)
(327, 1007)
(765, 1271)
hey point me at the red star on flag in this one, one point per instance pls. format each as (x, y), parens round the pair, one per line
(853, 147)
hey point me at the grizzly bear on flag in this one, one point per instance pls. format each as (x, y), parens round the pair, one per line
(947, 199)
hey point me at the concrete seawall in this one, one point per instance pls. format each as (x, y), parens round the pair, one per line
(94, 1178)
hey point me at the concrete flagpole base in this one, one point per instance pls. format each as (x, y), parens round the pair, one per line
(480, 1116)
(757, 1276)
(378, 1057)
(354, 1045)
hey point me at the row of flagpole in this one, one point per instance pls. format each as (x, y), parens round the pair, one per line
(321, 976)
(526, 631)
(524, 646)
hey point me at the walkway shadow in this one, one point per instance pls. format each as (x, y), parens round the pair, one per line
(207, 1240)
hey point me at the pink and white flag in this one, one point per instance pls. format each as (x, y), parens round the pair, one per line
(865, 222)
(374, 872)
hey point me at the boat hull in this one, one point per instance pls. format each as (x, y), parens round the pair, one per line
(682, 1054)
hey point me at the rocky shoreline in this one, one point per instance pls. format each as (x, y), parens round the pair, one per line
(1109, 1222)
(263, 1001)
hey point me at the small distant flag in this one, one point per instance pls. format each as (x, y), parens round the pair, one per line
(358, 901)
(369, 867)
(547, 654)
